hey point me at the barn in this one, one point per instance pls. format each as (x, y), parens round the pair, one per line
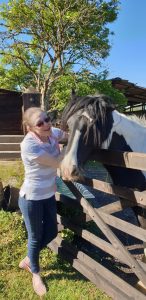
(135, 95)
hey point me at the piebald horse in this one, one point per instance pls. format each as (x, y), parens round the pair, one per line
(94, 123)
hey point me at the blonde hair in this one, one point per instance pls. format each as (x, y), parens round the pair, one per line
(27, 115)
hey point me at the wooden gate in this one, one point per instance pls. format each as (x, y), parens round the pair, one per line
(108, 225)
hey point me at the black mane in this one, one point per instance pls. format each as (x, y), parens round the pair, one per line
(98, 107)
(92, 104)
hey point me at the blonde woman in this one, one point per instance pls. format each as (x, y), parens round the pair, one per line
(41, 157)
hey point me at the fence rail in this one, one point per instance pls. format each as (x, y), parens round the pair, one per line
(108, 240)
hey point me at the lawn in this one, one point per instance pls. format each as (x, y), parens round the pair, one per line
(62, 281)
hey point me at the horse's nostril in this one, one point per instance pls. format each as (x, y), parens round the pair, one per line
(75, 171)
(76, 175)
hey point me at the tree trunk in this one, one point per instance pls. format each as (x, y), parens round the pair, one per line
(45, 103)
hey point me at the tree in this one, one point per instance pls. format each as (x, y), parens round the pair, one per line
(48, 36)
(84, 83)
(14, 75)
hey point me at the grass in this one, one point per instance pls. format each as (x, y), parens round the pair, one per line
(11, 173)
(63, 281)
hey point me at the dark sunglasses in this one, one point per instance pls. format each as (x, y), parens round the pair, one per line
(41, 123)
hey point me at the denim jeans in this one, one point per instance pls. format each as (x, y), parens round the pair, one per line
(41, 223)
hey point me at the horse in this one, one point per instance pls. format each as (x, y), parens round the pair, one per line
(94, 123)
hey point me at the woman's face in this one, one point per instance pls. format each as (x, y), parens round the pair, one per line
(40, 123)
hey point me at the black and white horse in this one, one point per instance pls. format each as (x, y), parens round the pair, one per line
(94, 123)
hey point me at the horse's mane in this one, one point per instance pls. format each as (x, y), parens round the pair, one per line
(98, 108)
(91, 104)
(138, 119)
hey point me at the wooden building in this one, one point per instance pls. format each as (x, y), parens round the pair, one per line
(136, 95)
(12, 105)
(10, 112)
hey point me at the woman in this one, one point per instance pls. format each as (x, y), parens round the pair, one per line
(41, 157)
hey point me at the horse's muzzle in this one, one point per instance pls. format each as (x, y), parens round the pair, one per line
(75, 175)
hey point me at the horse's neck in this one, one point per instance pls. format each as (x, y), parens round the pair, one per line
(133, 133)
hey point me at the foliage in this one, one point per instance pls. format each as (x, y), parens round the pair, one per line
(84, 83)
(47, 36)
(14, 75)
(67, 234)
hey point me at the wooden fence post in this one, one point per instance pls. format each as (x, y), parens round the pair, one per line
(1, 193)
(31, 98)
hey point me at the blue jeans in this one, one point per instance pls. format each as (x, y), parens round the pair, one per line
(40, 219)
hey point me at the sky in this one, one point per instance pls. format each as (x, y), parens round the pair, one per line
(127, 58)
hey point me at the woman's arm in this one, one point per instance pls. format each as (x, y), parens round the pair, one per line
(50, 161)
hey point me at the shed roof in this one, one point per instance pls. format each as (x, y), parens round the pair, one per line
(134, 94)
(9, 92)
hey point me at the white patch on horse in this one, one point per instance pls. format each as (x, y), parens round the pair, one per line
(133, 132)
(70, 158)
(87, 116)
(140, 120)
(117, 120)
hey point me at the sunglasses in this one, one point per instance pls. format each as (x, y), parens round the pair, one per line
(41, 123)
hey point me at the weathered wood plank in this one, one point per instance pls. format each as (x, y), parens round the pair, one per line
(99, 275)
(124, 226)
(133, 160)
(96, 217)
(9, 147)
(108, 208)
(135, 196)
(11, 138)
(96, 241)
(114, 240)
(10, 155)
(92, 238)
(116, 206)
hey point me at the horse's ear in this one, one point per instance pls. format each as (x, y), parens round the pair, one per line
(73, 94)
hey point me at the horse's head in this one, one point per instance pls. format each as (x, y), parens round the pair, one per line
(86, 118)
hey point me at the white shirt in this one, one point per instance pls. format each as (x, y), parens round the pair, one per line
(40, 181)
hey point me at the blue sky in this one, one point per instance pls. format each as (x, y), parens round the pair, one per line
(127, 58)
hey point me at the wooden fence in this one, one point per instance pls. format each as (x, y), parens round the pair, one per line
(119, 273)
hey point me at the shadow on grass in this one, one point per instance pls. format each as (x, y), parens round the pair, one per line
(63, 270)
(65, 276)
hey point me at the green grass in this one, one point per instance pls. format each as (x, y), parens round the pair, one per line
(62, 280)
(11, 173)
